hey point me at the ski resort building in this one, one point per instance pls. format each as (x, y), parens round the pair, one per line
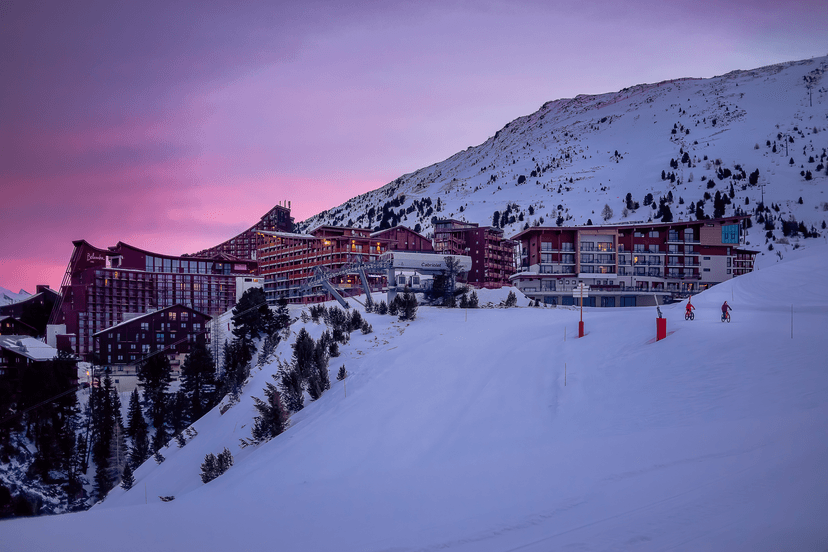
(286, 260)
(402, 238)
(629, 265)
(170, 331)
(493, 256)
(245, 245)
(105, 287)
(30, 315)
(19, 353)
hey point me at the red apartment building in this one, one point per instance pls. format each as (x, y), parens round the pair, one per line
(287, 259)
(627, 265)
(493, 256)
(102, 287)
(245, 245)
(402, 238)
(172, 330)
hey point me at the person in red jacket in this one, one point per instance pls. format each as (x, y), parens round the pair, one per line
(690, 306)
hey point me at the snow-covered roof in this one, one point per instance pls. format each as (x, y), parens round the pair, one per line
(27, 346)
(286, 235)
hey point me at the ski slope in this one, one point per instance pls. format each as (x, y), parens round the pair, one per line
(498, 430)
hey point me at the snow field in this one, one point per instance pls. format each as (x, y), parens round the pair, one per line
(458, 433)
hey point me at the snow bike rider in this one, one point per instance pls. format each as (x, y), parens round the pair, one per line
(725, 308)
(689, 310)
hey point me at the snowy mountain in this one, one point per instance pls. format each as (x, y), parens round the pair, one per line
(8, 297)
(763, 132)
(496, 429)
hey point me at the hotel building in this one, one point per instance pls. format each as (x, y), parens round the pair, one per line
(629, 265)
(287, 259)
(493, 256)
(245, 245)
(105, 287)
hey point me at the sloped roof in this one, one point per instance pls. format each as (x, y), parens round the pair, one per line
(28, 347)
(147, 315)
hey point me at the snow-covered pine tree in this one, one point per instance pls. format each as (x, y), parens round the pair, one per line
(273, 417)
(290, 384)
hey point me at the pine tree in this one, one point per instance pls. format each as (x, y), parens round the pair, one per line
(135, 416)
(154, 374)
(106, 437)
(251, 315)
(198, 381)
(127, 478)
(208, 468)
(282, 317)
(224, 461)
(606, 213)
(273, 417)
(408, 307)
(290, 384)
(320, 360)
(342, 373)
(511, 300)
(303, 353)
(140, 438)
(160, 437)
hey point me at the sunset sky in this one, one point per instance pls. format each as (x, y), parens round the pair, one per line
(174, 125)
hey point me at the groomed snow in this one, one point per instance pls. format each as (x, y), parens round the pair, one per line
(497, 429)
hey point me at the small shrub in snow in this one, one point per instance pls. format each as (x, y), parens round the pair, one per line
(214, 466)
(511, 300)
(366, 327)
(342, 373)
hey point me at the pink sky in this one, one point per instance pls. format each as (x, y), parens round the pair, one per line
(173, 126)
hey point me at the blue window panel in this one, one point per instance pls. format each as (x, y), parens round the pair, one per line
(730, 233)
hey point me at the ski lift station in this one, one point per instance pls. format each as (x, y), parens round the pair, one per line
(430, 264)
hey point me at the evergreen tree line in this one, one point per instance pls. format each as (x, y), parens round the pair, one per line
(50, 429)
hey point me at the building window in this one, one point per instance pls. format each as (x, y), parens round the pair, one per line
(707, 270)
(185, 316)
(653, 233)
(172, 316)
(159, 337)
(145, 326)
